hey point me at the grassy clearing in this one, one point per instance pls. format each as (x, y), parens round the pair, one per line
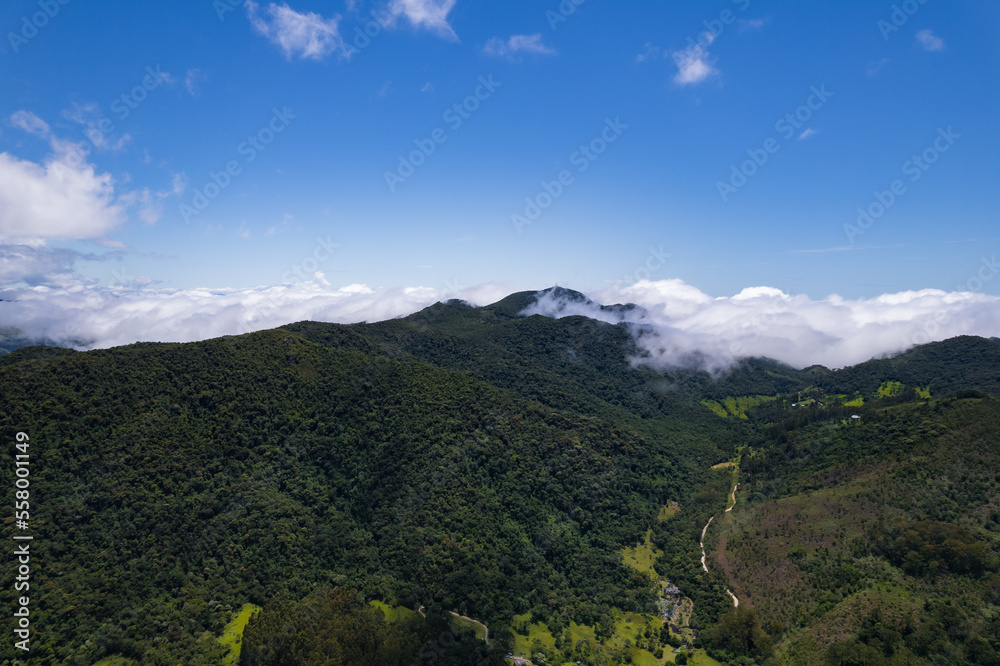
(527, 632)
(857, 402)
(642, 557)
(232, 635)
(716, 408)
(629, 629)
(668, 512)
(393, 613)
(699, 658)
(737, 407)
(889, 389)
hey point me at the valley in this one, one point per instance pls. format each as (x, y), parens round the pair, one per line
(465, 468)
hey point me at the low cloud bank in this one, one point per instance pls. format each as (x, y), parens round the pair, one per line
(678, 325)
(93, 318)
(675, 323)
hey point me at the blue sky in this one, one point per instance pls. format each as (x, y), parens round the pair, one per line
(648, 112)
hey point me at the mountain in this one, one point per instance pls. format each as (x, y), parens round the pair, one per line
(520, 472)
(946, 367)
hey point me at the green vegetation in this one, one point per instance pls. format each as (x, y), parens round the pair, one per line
(876, 539)
(338, 627)
(620, 638)
(642, 557)
(889, 389)
(517, 471)
(667, 512)
(738, 407)
(243, 469)
(716, 408)
(232, 635)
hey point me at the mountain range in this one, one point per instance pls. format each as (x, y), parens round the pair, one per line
(356, 493)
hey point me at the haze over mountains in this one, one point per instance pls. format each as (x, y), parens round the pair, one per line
(674, 322)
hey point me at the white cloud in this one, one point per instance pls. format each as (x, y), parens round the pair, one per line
(429, 14)
(306, 35)
(36, 265)
(875, 67)
(90, 117)
(106, 317)
(193, 79)
(108, 242)
(680, 323)
(517, 44)
(808, 132)
(31, 124)
(148, 202)
(751, 24)
(650, 52)
(929, 41)
(178, 183)
(64, 196)
(428, 87)
(676, 322)
(55, 200)
(693, 65)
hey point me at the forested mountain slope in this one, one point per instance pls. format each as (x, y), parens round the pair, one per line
(173, 481)
(522, 471)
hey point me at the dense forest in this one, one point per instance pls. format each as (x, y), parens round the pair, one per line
(473, 463)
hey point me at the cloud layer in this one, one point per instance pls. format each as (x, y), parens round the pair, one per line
(677, 324)
(680, 324)
(90, 317)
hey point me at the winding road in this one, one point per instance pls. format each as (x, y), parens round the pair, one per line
(705, 529)
(733, 506)
(736, 602)
(486, 630)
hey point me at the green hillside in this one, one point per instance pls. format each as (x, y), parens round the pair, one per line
(874, 541)
(468, 468)
(177, 482)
